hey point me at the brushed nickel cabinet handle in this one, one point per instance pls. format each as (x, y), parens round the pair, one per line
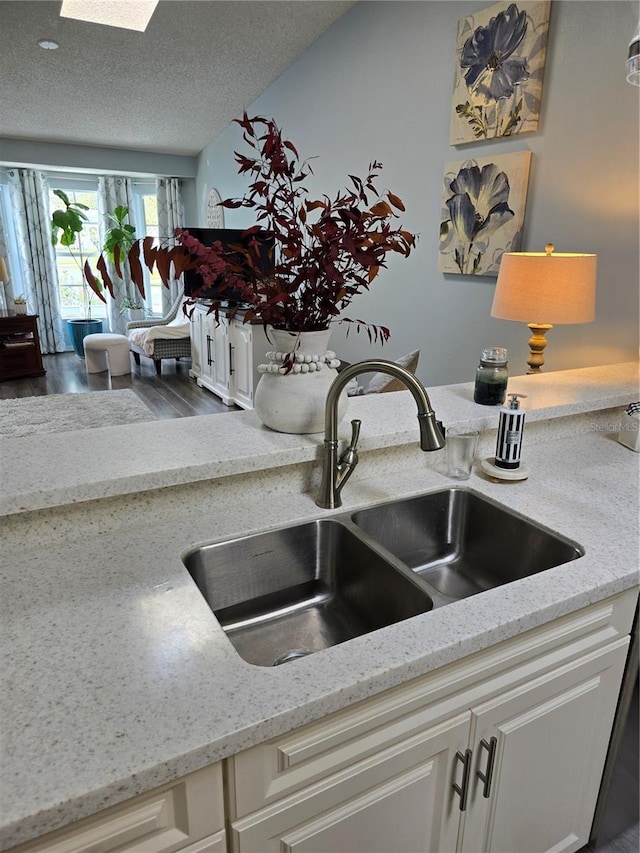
(463, 789)
(486, 777)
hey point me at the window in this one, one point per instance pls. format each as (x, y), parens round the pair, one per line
(83, 189)
(70, 259)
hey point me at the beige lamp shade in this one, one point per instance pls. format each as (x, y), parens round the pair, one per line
(4, 275)
(546, 287)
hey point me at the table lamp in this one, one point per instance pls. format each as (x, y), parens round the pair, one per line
(554, 287)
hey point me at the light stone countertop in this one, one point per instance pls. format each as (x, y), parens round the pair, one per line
(116, 676)
(47, 470)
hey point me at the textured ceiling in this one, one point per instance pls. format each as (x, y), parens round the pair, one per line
(171, 89)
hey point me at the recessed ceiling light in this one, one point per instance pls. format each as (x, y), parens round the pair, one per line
(127, 14)
(48, 44)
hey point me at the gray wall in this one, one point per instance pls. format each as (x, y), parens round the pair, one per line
(93, 159)
(378, 85)
(88, 158)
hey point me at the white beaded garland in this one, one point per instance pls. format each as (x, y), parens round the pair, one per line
(303, 362)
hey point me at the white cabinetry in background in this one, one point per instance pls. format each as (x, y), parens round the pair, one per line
(225, 355)
(501, 752)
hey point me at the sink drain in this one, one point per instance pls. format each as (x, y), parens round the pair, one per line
(293, 654)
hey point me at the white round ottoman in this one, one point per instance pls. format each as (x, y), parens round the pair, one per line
(105, 351)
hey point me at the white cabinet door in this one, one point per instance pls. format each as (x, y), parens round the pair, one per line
(213, 844)
(202, 343)
(196, 343)
(398, 800)
(206, 372)
(549, 739)
(220, 356)
(211, 366)
(241, 363)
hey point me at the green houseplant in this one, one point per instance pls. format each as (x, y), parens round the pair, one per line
(119, 240)
(67, 224)
(120, 236)
(133, 308)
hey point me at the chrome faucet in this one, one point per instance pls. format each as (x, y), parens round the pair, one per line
(337, 470)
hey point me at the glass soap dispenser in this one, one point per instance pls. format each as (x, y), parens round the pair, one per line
(491, 377)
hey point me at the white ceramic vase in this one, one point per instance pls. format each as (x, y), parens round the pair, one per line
(295, 402)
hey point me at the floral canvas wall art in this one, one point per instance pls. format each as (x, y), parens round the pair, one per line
(500, 54)
(483, 208)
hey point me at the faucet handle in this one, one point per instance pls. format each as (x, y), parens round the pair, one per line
(355, 433)
(349, 459)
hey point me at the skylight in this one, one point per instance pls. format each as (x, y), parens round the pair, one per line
(127, 14)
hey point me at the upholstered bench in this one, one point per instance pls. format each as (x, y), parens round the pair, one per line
(107, 352)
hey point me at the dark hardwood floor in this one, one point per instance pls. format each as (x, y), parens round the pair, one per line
(171, 395)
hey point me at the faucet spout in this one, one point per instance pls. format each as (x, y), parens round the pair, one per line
(336, 470)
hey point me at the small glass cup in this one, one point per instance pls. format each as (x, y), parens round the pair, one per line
(461, 450)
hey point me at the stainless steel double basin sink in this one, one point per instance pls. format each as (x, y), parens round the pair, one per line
(289, 592)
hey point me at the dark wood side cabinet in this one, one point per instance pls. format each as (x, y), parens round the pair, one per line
(19, 346)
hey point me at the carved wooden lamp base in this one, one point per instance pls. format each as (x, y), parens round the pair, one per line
(537, 343)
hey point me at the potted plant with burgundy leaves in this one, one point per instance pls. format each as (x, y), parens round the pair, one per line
(322, 253)
(326, 251)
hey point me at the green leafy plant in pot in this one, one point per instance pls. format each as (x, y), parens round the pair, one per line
(121, 236)
(67, 224)
(133, 308)
(119, 240)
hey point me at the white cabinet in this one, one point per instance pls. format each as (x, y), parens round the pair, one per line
(500, 752)
(537, 755)
(248, 343)
(197, 318)
(209, 351)
(217, 376)
(225, 355)
(396, 800)
(184, 817)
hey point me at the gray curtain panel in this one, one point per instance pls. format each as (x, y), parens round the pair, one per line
(170, 217)
(30, 202)
(114, 191)
(6, 289)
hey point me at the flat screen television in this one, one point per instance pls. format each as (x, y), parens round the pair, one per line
(194, 285)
